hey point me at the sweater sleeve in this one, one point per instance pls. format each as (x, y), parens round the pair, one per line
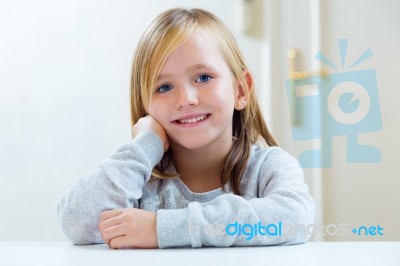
(116, 183)
(279, 215)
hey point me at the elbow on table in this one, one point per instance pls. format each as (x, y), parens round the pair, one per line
(78, 229)
(305, 217)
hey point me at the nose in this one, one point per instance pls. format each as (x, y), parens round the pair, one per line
(186, 96)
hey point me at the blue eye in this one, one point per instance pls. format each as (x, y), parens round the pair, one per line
(203, 78)
(164, 88)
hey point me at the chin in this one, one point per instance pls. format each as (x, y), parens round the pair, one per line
(191, 143)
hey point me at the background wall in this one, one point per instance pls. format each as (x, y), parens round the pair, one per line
(64, 96)
(362, 194)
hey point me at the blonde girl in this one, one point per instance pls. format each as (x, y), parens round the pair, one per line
(202, 168)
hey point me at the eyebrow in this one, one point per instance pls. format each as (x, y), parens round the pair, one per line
(191, 68)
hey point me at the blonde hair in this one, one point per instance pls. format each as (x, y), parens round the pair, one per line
(166, 33)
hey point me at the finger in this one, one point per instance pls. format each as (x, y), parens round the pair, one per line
(118, 242)
(113, 232)
(109, 218)
(111, 213)
(110, 222)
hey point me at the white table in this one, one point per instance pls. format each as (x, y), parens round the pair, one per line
(313, 253)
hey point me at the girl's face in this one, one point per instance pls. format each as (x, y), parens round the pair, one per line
(195, 95)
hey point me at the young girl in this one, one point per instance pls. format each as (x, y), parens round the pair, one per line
(202, 168)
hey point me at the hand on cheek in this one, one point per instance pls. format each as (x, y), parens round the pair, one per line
(149, 123)
(129, 228)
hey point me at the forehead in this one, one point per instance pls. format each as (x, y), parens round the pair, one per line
(197, 52)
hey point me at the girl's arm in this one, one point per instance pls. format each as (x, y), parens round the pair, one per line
(230, 220)
(116, 183)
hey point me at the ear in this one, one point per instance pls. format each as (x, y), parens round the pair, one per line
(242, 92)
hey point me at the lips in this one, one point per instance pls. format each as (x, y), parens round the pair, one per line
(192, 119)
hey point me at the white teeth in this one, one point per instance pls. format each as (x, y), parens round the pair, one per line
(192, 120)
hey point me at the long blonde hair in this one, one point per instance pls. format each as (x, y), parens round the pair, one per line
(166, 33)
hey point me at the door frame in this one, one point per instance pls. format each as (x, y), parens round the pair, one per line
(286, 27)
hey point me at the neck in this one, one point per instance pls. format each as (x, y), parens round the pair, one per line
(200, 169)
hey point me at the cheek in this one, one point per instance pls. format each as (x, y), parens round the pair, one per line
(157, 111)
(226, 90)
(224, 99)
(153, 110)
(224, 106)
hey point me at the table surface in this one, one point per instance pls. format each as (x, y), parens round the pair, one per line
(312, 253)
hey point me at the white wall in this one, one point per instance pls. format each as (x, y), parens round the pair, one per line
(64, 97)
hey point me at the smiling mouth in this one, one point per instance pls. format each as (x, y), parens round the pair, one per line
(193, 120)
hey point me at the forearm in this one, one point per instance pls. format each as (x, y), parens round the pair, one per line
(199, 225)
(116, 183)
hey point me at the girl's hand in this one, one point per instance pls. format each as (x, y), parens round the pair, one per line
(129, 228)
(149, 123)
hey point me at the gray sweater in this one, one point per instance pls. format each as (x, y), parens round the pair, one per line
(275, 206)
